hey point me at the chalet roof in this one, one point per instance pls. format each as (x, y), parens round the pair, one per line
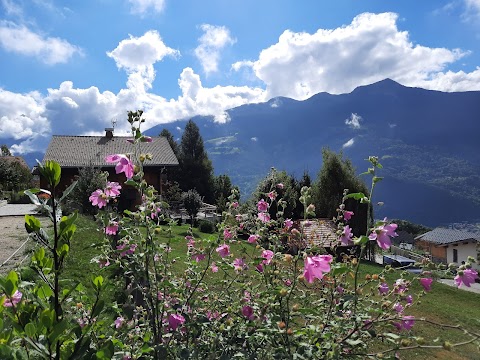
(78, 151)
(320, 232)
(441, 236)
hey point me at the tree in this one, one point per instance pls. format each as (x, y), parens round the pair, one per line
(89, 179)
(222, 190)
(173, 144)
(192, 202)
(5, 151)
(336, 175)
(14, 175)
(196, 170)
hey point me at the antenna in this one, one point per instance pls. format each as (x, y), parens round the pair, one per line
(114, 122)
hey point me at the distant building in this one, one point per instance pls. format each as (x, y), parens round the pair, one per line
(74, 152)
(448, 245)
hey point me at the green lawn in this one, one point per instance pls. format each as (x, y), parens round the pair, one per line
(444, 304)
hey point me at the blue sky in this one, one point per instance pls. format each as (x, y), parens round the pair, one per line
(70, 67)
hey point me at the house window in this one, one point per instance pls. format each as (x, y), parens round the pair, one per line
(455, 255)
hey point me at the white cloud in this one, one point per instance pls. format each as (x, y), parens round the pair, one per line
(12, 8)
(354, 121)
(143, 7)
(369, 49)
(472, 11)
(50, 50)
(254, 139)
(348, 144)
(214, 39)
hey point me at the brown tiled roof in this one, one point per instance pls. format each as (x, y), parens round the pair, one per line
(78, 151)
(320, 232)
(441, 236)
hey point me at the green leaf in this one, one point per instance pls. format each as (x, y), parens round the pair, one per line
(32, 224)
(377, 179)
(68, 190)
(130, 182)
(340, 269)
(32, 196)
(98, 308)
(362, 240)
(98, 282)
(39, 254)
(58, 330)
(47, 318)
(63, 251)
(30, 330)
(356, 196)
(44, 291)
(106, 352)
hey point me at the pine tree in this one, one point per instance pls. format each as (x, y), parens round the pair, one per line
(196, 170)
(5, 151)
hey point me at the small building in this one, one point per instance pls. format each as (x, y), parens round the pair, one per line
(448, 245)
(75, 152)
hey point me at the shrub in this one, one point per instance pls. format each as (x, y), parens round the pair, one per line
(206, 226)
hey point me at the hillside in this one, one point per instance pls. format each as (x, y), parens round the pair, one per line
(427, 141)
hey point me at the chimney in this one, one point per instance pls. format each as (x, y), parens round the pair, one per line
(109, 133)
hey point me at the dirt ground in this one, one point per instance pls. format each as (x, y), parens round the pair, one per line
(12, 236)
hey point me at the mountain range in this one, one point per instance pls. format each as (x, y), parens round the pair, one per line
(427, 141)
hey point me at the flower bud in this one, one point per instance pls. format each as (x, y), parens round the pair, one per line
(281, 325)
(142, 158)
(368, 277)
(375, 276)
(289, 331)
(447, 345)
(295, 307)
(420, 340)
(301, 278)
(283, 292)
(405, 342)
(288, 258)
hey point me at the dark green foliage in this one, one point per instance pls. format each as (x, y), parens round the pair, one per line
(14, 175)
(411, 228)
(206, 226)
(196, 170)
(337, 173)
(192, 202)
(5, 151)
(89, 179)
(288, 193)
(222, 190)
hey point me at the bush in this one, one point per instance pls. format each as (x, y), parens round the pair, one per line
(19, 198)
(206, 226)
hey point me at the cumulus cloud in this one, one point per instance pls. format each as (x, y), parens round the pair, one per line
(21, 40)
(472, 11)
(143, 7)
(354, 121)
(369, 49)
(213, 40)
(254, 139)
(348, 144)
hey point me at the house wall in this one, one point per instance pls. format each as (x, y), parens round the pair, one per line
(464, 251)
(437, 252)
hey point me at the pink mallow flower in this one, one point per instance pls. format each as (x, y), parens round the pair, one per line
(466, 277)
(247, 311)
(280, 186)
(383, 233)
(123, 164)
(426, 283)
(262, 205)
(315, 266)
(223, 250)
(288, 223)
(103, 263)
(14, 300)
(398, 307)
(347, 235)
(112, 189)
(265, 217)
(98, 198)
(383, 288)
(252, 239)
(347, 215)
(119, 322)
(406, 323)
(239, 264)
(214, 267)
(272, 195)
(175, 320)
(198, 257)
(111, 228)
(268, 256)
(227, 234)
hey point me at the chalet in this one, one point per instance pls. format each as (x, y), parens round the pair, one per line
(74, 152)
(449, 246)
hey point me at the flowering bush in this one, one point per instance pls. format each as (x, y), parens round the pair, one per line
(230, 296)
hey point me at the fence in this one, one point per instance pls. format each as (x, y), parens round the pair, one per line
(409, 254)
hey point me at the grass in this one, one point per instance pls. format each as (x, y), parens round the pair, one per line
(443, 305)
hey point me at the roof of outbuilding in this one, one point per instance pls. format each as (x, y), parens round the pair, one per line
(443, 236)
(320, 232)
(78, 151)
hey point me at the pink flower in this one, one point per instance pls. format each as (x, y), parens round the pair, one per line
(239, 217)
(347, 235)
(280, 186)
(262, 206)
(198, 257)
(214, 267)
(287, 282)
(252, 239)
(400, 286)
(98, 198)
(383, 288)
(223, 250)
(103, 263)
(132, 249)
(467, 277)
(259, 268)
(14, 300)
(112, 189)
(119, 322)
(272, 195)
(398, 307)
(315, 266)
(146, 139)
(382, 234)
(426, 283)
(111, 228)
(227, 234)
(267, 255)
(175, 320)
(265, 217)
(347, 215)
(406, 324)
(239, 264)
(409, 299)
(288, 223)
(235, 204)
(123, 164)
(247, 311)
